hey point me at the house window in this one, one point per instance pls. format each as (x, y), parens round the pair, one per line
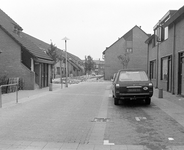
(153, 69)
(159, 34)
(166, 33)
(164, 68)
(129, 50)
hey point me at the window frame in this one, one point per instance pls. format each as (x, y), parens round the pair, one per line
(164, 68)
(152, 69)
(166, 33)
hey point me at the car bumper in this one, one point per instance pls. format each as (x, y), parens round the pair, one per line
(133, 96)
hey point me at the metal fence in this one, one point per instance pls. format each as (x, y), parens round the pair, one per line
(15, 85)
(9, 89)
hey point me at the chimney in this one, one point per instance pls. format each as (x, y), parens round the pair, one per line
(16, 30)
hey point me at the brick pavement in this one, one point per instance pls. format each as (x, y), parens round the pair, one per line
(168, 99)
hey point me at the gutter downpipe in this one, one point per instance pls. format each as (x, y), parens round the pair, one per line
(158, 42)
(157, 65)
(173, 61)
(148, 60)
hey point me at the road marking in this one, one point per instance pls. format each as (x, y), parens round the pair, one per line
(101, 120)
(106, 142)
(171, 139)
(140, 118)
(181, 99)
(137, 118)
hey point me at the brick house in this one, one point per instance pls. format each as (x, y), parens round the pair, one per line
(129, 51)
(166, 52)
(75, 65)
(20, 57)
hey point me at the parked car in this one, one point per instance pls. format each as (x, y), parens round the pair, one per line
(132, 84)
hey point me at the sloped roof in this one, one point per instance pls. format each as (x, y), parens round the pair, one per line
(8, 25)
(127, 36)
(164, 19)
(4, 18)
(175, 15)
(150, 38)
(45, 46)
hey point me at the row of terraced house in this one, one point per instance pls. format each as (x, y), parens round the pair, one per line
(160, 54)
(24, 56)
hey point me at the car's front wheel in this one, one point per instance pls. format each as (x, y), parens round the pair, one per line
(112, 95)
(148, 101)
(116, 101)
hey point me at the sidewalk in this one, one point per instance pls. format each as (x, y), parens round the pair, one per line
(10, 98)
(176, 99)
(25, 95)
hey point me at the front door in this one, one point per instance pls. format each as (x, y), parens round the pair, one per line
(169, 79)
(181, 74)
(182, 78)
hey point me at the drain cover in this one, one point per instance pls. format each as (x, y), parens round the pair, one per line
(101, 120)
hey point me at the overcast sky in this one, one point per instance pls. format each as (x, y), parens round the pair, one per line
(91, 25)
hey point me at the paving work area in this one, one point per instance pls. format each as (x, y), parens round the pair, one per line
(94, 127)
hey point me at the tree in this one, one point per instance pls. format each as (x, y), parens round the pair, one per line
(52, 52)
(124, 60)
(89, 64)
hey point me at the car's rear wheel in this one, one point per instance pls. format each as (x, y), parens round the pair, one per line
(116, 101)
(148, 101)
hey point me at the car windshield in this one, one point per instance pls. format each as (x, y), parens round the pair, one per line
(133, 76)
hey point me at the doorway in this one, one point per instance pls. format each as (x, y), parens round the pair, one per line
(181, 74)
(169, 83)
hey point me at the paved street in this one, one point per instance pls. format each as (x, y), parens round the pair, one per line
(84, 117)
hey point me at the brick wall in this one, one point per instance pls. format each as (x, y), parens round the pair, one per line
(138, 59)
(166, 49)
(10, 61)
(179, 47)
(112, 64)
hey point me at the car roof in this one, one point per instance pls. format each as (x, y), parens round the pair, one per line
(131, 70)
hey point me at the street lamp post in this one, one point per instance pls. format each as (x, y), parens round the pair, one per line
(65, 39)
(61, 70)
